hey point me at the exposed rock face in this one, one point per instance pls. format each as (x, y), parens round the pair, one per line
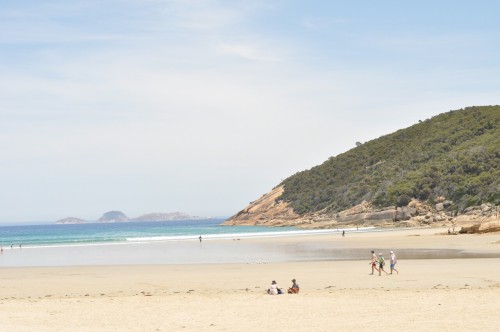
(270, 211)
(266, 211)
(113, 216)
(71, 220)
(485, 227)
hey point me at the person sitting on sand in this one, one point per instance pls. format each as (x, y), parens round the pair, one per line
(373, 262)
(273, 290)
(295, 287)
(381, 263)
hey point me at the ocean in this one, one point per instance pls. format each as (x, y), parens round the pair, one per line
(161, 242)
(177, 242)
(100, 233)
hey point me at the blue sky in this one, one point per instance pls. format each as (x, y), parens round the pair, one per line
(202, 106)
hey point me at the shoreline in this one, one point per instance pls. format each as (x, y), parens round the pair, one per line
(453, 294)
(412, 243)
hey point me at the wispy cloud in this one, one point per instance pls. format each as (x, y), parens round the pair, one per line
(174, 93)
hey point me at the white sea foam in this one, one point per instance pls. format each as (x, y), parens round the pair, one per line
(246, 235)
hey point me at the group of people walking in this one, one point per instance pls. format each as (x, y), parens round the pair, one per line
(380, 261)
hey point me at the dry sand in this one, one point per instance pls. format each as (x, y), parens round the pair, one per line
(427, 294)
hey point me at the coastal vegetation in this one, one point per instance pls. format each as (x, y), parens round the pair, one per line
(453, 156)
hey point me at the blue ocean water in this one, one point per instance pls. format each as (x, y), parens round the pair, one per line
(93, 233)
(99, 233)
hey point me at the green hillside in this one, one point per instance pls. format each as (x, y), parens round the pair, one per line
(455, 155)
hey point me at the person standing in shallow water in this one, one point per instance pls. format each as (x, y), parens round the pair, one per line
(200, 238)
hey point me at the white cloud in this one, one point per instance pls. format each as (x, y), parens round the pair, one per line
(249, 52)
(188, 106)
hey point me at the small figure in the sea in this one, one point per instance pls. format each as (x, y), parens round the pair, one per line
(373, 262)
(20, 245)
(295, 287)
(11, 245)
(393, 262)
(343, 232)
(274, 290)
(200, 238)
(381, 263)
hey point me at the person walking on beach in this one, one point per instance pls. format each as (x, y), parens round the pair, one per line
(381, 263)
(393, 262)
(343, 233)
(373, 262)
(200, 238)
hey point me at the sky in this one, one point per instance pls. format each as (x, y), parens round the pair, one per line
(202, 106)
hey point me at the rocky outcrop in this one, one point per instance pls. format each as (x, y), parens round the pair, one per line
(484, 227)
(266, 211)
(70, 220)
(269, 210)
(113, 216)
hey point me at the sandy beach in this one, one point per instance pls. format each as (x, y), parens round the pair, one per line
(431, 292)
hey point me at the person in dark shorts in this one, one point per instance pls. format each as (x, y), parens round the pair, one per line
(381, 263)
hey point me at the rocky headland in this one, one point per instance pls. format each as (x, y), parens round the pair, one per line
(442, 171)
(270, 211)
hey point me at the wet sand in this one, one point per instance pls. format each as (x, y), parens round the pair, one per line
(450, 294)
(410, 244)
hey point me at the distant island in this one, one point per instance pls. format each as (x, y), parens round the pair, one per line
(71, 220)
(119, 216)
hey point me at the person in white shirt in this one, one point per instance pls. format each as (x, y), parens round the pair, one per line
(393, 262)
(273, 290)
